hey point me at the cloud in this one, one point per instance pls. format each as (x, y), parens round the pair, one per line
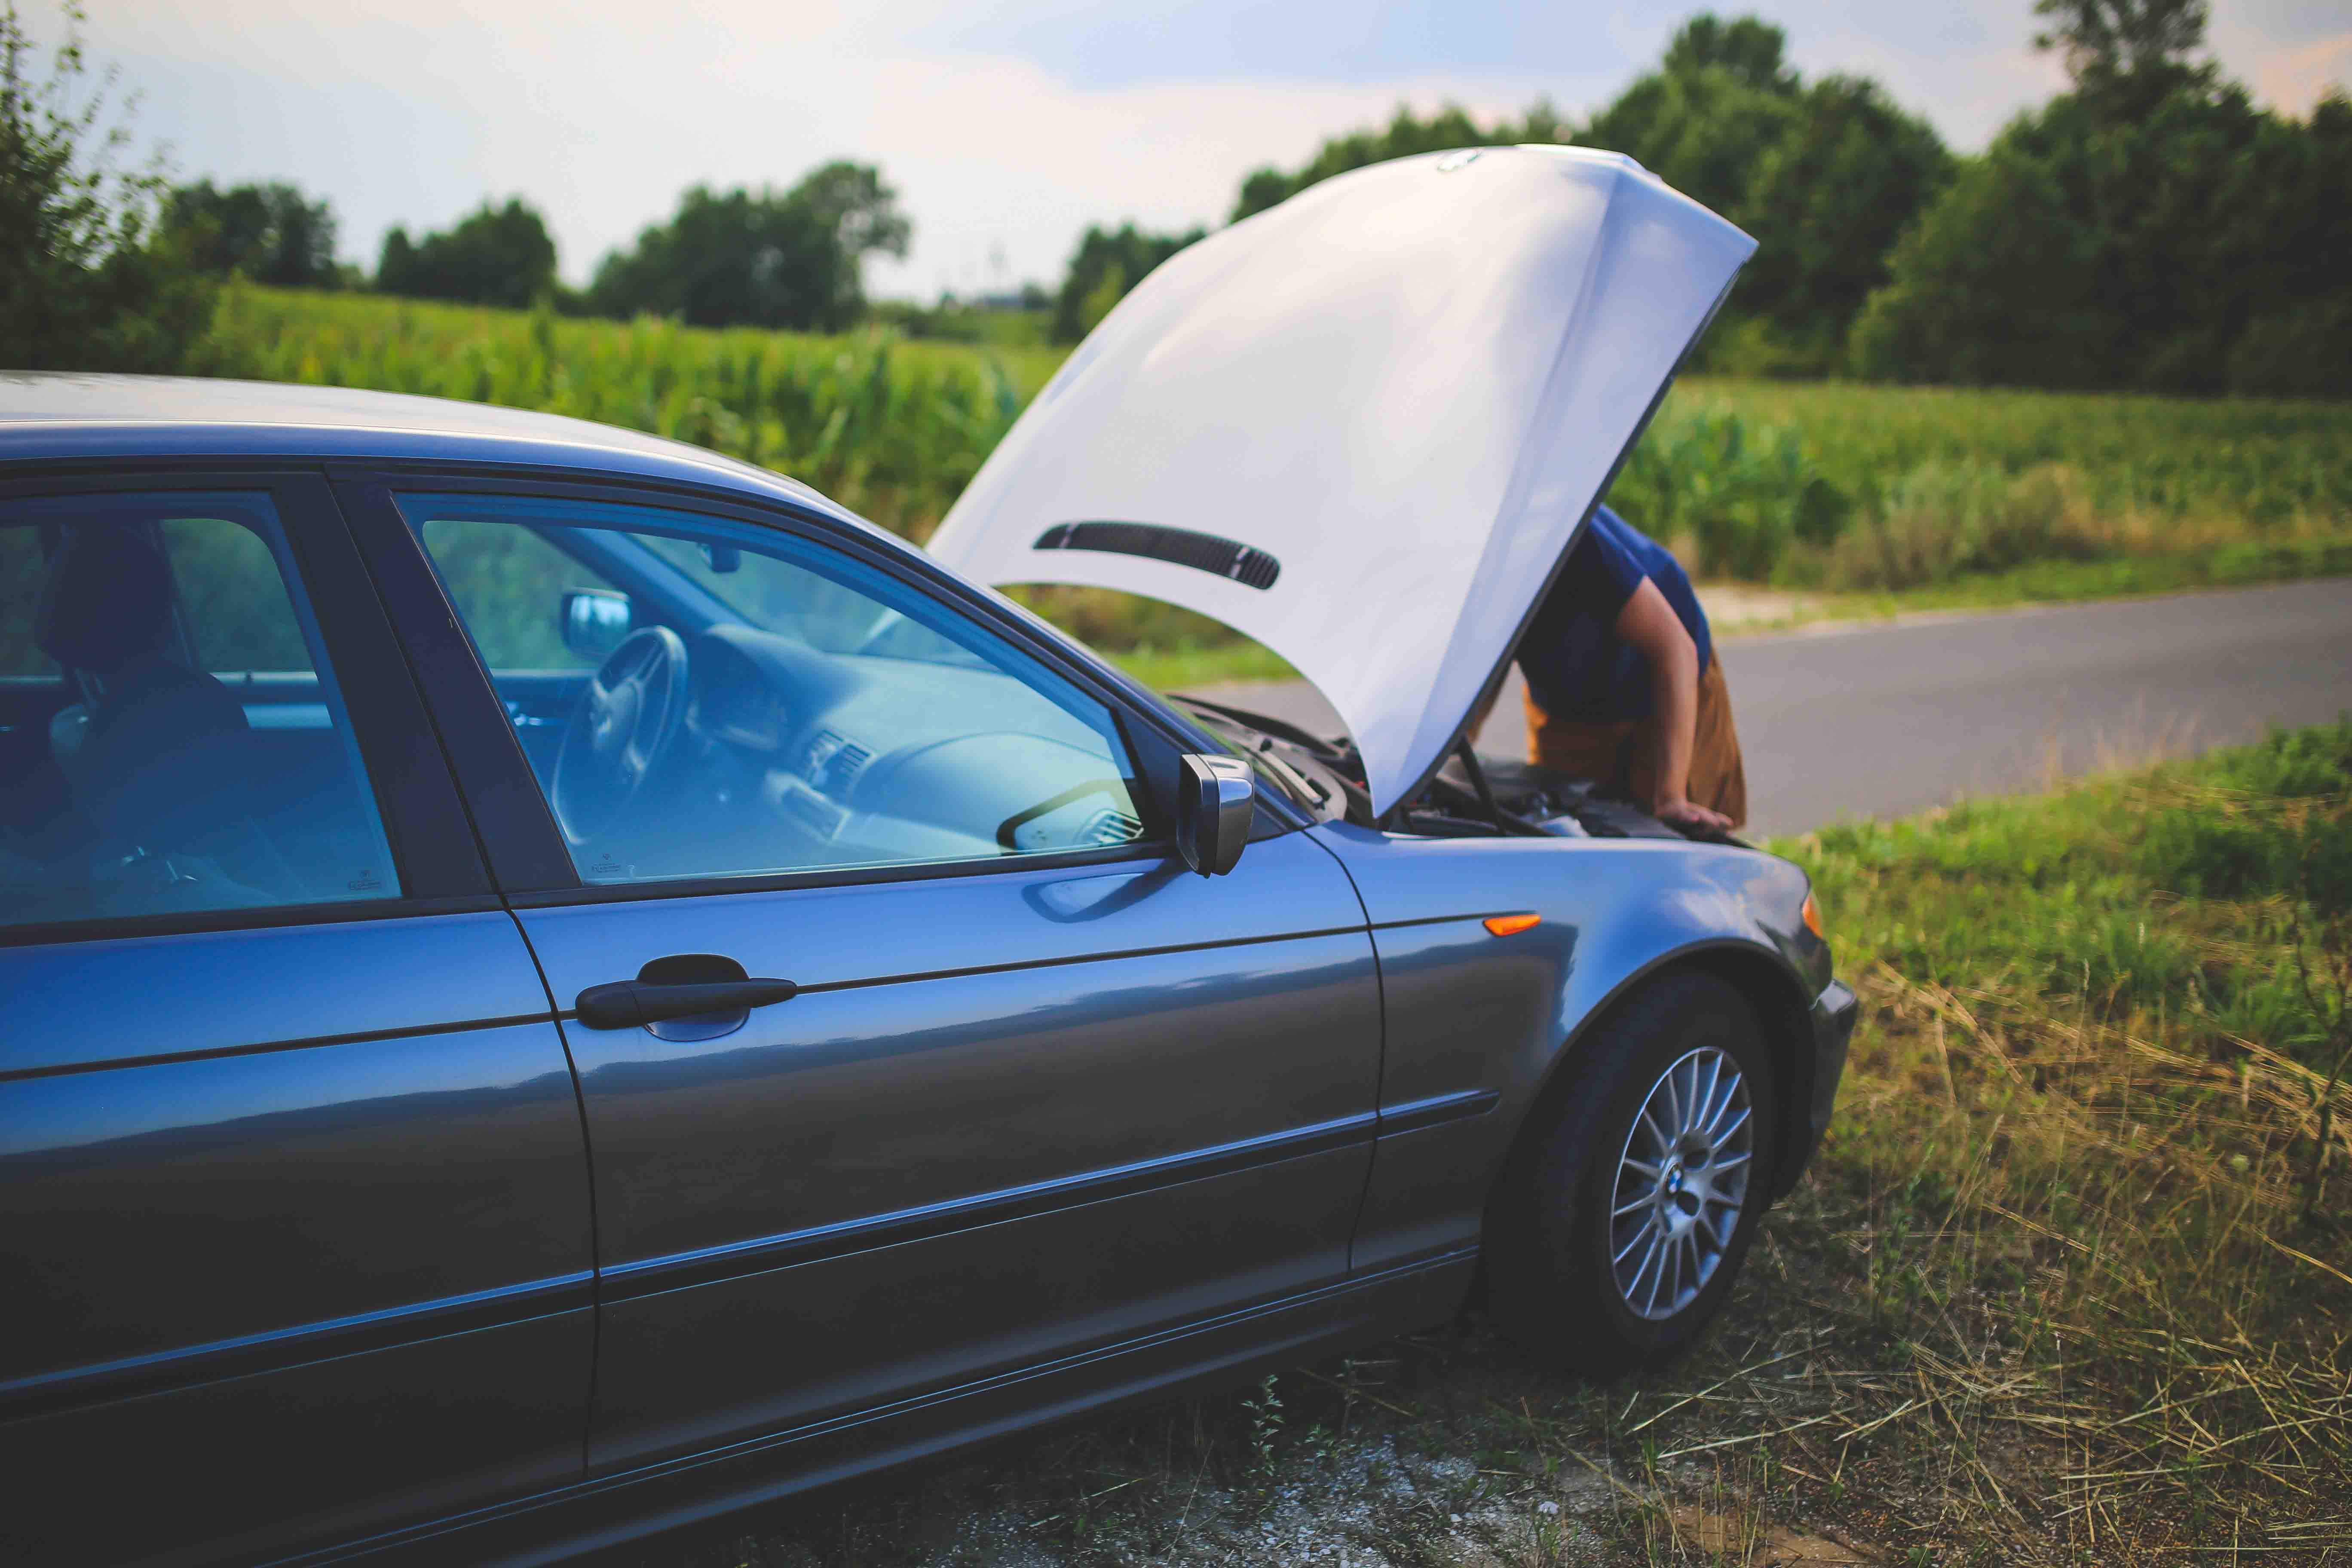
(415, 118)
(2295, 77)
(1007, 125)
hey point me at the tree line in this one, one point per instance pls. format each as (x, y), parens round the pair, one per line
(2149, 229)
(788, 258)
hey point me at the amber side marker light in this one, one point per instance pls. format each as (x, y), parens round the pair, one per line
(1812, 918)
(1511, 925)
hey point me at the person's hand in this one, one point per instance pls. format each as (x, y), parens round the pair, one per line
(1690, 816)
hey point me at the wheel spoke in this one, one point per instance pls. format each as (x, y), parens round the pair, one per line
(1734, 1091)
(1707, 1097)
(1737, 1123)
(1642, 1267)
(1640, 1232)
(1623, 1209)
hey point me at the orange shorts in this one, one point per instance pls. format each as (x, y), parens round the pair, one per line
(1622, 758)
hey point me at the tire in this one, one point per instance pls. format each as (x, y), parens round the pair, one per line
(1601, 1257)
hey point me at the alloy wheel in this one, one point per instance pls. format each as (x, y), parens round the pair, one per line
(1682, 1184)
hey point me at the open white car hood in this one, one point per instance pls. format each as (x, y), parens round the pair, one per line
(1364, 427)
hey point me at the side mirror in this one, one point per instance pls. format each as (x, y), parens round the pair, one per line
(594, 621)
(1216, 801)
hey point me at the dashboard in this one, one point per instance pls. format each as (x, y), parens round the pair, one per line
(792, 759)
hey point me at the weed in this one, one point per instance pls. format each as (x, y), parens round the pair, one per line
(1265, 1426)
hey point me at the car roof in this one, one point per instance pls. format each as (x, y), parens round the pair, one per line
(54, 416)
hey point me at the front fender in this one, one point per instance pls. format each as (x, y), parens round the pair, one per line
(1483, 1024)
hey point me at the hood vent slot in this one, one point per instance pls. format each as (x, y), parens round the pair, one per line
(1252, 568)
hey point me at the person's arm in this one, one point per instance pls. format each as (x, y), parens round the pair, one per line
(1649, 624)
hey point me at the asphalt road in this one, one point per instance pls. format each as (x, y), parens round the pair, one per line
(1883, 720)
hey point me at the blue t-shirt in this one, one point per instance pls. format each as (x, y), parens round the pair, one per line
(1577, 664)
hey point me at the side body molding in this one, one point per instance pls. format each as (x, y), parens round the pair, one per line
(1471, 1013)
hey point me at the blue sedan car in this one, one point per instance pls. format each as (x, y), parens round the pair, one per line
(559, 986)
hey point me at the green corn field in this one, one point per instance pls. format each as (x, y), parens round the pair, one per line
(889, 427)
(1822, 486)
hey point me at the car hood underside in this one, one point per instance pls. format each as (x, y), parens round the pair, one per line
(1362, 428)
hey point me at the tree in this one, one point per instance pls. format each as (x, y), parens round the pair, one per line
(269, 232)
(1826, 201)
(1703, 129)
(794, 259)
(1403, 136)
(1996, 284)
(1824, 175)
(1107, 264)
(2108, 40)
(87, 282)
(2182, 225)
(1748, 48)
(495, 256)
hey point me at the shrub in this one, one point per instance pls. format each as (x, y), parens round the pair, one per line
(1944, 518)
(2294, 763)
(2271, 825)
(86, 282)
(2198, 852)
(2305, 352)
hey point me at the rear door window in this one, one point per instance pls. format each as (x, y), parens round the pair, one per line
(175, 740)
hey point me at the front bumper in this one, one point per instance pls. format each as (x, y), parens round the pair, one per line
(1833, 1015)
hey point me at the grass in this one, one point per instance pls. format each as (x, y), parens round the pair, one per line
(1876, 498)
(2061, 1286)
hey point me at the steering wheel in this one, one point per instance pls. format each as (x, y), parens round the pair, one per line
(622, 730)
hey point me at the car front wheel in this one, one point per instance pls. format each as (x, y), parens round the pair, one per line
(1622, 1221)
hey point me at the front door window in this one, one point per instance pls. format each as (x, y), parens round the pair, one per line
(702, 698)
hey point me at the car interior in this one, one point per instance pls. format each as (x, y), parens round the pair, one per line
(134, 779)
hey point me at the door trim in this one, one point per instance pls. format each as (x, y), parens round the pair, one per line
(278, 1349)
(759, 1254)
(263, 1047)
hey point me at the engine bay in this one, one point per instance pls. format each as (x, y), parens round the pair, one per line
(1471, 796)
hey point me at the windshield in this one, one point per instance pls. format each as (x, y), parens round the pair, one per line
(775, 594)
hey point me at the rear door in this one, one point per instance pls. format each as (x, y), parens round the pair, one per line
(291, 1167)
(1041, 1089)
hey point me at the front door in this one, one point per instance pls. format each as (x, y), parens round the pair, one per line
(292, 1174)
(1040, 1088)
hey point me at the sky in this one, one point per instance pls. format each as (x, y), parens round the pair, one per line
(1007, 126)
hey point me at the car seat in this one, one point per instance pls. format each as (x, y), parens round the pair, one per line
(165, 763)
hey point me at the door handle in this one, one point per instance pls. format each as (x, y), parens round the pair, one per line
(632, 1004)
